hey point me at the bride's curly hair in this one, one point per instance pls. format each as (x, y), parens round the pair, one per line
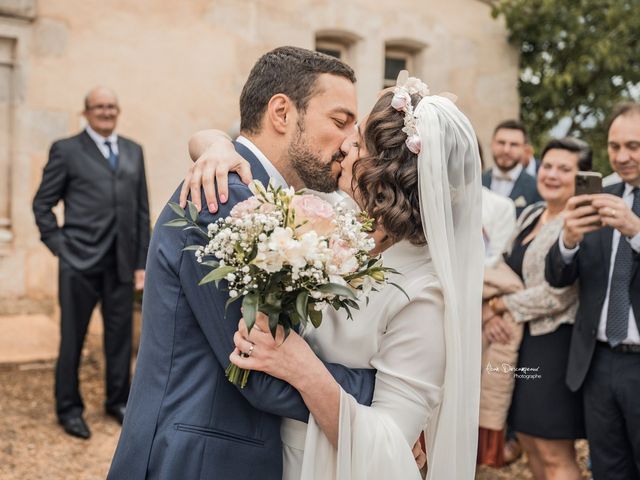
(386, 179)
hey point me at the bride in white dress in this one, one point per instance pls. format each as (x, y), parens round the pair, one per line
(426, 350)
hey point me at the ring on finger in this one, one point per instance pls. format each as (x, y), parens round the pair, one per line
(247, 354)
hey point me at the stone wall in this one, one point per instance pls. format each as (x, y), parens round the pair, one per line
(179, 66)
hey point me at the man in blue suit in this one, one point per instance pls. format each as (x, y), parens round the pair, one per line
(184, 419)
(508, 176)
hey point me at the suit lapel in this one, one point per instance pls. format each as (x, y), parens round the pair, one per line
(91, 149)
(607, 232)
(258, 171)
(486, 179)
(517, 189)
(125, 157)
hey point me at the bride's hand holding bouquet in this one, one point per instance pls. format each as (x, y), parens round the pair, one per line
(288, 255)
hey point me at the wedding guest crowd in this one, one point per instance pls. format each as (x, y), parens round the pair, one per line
(546, 415)
(576, 363)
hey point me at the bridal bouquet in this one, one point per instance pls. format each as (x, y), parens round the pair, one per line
(288, 255)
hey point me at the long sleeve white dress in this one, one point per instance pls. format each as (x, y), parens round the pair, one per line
(404, 341)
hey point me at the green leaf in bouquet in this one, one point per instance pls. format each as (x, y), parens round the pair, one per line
(250, 309)
(287, 331)
(211, 263)
(177, 209)
(401, 289)
(372, 262)
(217, 274)
(191, 248)
(193, 210)
(273, 299)
(270, 309)
(302, 301)
(336, 289)
(273, 323)
(294, 316)
(176, 222)
(349, 314)
(351, 303)
(315, 316)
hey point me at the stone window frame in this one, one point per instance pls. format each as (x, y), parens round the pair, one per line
(341, 41)
(408, 49)
(7, 60)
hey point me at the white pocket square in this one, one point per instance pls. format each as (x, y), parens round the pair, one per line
(520, 201)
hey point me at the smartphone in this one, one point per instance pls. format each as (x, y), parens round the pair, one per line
(588, 183)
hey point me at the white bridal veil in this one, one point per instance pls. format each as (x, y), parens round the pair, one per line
(372, 445)
(450, 203)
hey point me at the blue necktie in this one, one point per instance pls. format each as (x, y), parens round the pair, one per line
(113, 158)
(619, 301)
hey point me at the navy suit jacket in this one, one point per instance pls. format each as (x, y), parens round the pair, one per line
(590, 267)
(524, 186)
(184, 419)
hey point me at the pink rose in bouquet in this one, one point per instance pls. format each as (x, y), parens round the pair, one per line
(313, 214)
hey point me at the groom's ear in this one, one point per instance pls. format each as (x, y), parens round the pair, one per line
(280, 113)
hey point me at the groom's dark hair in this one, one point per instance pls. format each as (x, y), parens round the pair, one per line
(291, 71)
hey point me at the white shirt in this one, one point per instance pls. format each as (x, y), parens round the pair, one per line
(633, 336)
(274, 174)
(502, 182)
(498, 223)
(531, 167)
(611, 179)
(99, 141)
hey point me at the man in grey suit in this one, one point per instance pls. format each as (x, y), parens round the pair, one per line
(184, 418)
(508, 176)
(102, 249)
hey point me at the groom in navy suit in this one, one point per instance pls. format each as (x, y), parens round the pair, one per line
(184, 419)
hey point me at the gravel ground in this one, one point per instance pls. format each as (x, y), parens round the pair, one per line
(34, 447)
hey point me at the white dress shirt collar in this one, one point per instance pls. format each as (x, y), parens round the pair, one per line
(272, 171)
(513, 174)
(99, 141)
(628, 191)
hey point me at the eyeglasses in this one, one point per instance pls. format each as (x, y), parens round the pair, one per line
(104, 106)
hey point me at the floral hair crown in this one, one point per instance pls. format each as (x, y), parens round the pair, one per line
(401, 101)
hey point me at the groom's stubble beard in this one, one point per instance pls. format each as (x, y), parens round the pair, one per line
(314, 173)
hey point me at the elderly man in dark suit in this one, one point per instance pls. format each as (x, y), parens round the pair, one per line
(508, 177)
(600, 247)
(102, 247)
